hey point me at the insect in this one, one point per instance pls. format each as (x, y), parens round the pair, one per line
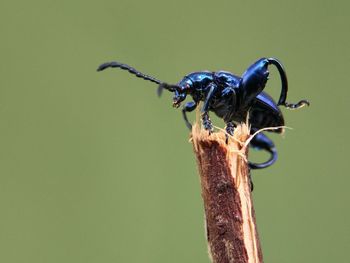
(231, 98)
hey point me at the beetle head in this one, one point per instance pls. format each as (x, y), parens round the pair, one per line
(180, 90)
(184, 88)
(179, 96)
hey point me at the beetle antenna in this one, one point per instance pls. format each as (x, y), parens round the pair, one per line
(128, 68)
(162, 85)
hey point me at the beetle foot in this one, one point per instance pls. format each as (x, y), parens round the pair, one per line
(208, 126)
(298, 105)
(230, 129)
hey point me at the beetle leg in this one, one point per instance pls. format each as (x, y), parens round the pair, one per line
(210, 95)
(205, 115)
(262, 142)
(254, 80)
(208, 126)
(188, 107)
(230, 128)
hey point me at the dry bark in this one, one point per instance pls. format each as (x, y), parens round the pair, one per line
(230, 218)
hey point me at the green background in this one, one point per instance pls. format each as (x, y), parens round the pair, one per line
(95, 168)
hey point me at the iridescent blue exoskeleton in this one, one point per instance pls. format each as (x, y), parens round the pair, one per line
(231, 98)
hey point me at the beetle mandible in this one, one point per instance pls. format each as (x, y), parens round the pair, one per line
(231, 98)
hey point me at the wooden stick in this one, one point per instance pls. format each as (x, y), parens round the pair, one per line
(230, 218)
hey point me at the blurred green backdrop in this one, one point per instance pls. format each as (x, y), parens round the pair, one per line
(95, 168)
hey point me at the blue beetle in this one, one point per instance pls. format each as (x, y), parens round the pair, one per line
(231, 98)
